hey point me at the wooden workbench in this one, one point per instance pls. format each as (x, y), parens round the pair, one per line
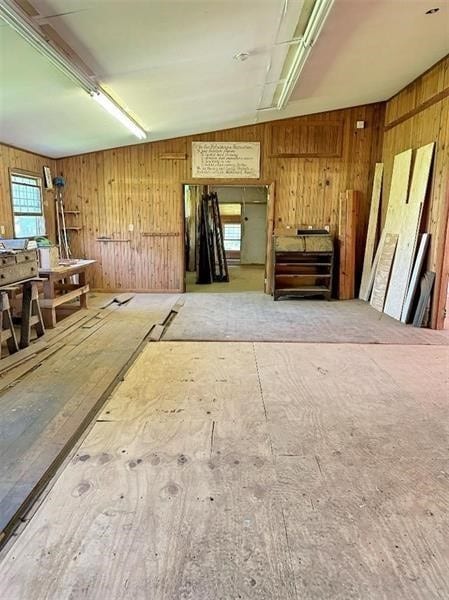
(58, 280)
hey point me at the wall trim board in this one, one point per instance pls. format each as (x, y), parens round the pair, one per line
(424, 106)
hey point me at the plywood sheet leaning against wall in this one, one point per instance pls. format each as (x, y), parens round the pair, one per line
(414, 279)
(398, 191)
(416, 116)
(365, 287)
(410, 219)
(383, 271)
(347, 236)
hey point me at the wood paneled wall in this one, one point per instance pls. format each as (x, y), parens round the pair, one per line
(419, 114)
(12, 158)
(137, 185)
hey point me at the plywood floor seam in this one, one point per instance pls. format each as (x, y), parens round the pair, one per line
(253, 470)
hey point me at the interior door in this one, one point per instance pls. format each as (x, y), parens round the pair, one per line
(254, 234)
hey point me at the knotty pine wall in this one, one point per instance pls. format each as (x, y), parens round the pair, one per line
(12, 158)
(137, 185)
(418, 115)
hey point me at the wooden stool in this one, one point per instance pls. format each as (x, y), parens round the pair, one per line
(31, 313)
(8, 334)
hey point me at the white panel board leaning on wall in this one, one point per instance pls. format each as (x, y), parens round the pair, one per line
(226, 160)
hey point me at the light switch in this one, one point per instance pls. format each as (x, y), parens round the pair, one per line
(131, 227)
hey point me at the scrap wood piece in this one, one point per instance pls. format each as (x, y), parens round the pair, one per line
(427, 282)
(411, 213)
(365, 287)
(347, 234)
(416, 273)
(383, 271)
(120, 300)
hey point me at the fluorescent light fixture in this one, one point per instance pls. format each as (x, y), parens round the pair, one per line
(116, 111)
(18, 20)
(315, 24)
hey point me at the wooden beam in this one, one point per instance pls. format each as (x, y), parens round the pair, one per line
(347, 234)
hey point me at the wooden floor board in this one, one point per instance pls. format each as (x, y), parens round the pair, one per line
(47, 407)
(319, 472)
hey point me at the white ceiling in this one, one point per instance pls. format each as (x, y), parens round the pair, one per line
(171, 63)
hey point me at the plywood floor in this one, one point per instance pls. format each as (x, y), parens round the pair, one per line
(242, 278)
(257, 471)
(48, 398)
(255, 316)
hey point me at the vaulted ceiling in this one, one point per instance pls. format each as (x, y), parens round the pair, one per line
(170, 62)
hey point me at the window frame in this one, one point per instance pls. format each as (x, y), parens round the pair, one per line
(30, 174)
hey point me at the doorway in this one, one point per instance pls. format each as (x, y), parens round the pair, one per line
(243, 214)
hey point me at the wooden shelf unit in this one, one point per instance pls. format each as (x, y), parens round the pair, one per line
(303, 265)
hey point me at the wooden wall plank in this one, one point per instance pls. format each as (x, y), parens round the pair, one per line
(137, 185)
(13, 158)
(347, 228)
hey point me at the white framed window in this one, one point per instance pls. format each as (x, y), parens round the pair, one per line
(27, 205)
(232, 236)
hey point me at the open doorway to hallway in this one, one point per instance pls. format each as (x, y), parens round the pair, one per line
(243, 215)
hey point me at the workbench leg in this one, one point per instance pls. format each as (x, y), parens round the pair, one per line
(25, 325)
(49, 317)
(31, 314)
(81, 283)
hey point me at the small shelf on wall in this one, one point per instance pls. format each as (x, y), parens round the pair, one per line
(73, 227)
(72, 212)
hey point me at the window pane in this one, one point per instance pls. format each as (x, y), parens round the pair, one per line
(26, 194)
(232, 245)
(232, 231)
(232, 234)
(29, 226)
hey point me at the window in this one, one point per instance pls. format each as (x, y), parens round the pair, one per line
(232, 236)
(26, 195)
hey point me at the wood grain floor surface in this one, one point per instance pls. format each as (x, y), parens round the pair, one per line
(254, 316)
(41, 411)
(259, 471)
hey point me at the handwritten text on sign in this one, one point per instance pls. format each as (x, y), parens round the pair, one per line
(226, 160)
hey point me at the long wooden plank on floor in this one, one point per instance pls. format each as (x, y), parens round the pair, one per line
(371, 234)
(44, 411)
(411, 212)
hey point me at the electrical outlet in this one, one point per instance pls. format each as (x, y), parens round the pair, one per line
(131, 227)
(2, 230)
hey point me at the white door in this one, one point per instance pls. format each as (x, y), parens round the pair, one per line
(254, 234)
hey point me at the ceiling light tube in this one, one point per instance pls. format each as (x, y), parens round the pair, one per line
(18, 20)
(116, 111)
(315, 24)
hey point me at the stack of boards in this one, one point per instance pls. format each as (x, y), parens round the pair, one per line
(391, 275)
